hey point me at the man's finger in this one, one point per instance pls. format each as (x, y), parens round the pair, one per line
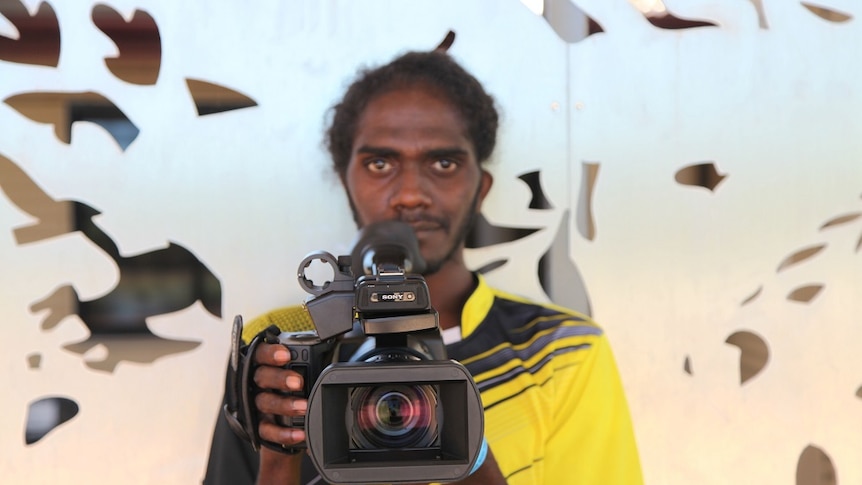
(271, 354)
(272, 403)
(278, 379)
(280, 434)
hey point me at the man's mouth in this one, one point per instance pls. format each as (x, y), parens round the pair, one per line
(424, 224)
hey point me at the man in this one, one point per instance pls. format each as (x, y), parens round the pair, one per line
(407, 142)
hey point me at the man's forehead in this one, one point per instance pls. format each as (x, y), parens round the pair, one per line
(415, 94)
(412, 112)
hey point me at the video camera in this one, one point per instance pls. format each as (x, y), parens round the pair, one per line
(398, 410)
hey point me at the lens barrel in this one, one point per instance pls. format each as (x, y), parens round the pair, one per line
(393, 416)
(394, 422)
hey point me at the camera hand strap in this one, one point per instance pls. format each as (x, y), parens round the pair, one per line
(239, 409)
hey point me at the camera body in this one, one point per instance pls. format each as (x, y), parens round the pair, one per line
(398, 410)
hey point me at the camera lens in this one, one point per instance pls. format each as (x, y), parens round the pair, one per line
(394, 416)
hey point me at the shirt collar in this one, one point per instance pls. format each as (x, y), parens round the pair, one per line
(477, 307)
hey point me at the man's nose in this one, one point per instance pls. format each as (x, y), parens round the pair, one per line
(411, 189)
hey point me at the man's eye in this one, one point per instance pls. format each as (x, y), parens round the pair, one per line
(446, 165)
(377, 165)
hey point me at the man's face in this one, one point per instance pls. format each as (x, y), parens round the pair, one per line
(412, 161)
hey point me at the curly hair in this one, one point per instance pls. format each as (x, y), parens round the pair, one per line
(434, 69)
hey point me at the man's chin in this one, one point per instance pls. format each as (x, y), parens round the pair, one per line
(432, 267)
(434, 257)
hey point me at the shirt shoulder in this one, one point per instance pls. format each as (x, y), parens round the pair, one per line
(288, 319)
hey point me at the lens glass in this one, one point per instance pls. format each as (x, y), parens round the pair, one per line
(393, 416)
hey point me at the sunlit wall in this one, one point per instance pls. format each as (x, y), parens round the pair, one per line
(691, 177)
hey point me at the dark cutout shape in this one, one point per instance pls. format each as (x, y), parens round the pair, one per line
(559, 276)
(447, 42)
(800, 256)
(64, 109)
(827, 14)
(752, 297)
(212, 98)
(38, 41)
(804, 294)
(859, 392)
(538, 199)
(34, 361)
(686, 366)
(153, 283)
(668, 21)
(837, 221)
(138, 349)
(700, 175)
(45, 415)
(754, 354)
(485, 234)
(138, 41)
(593, 27)
(53, 217)
(585, 220)
(663, 18)
(815, 468)
(492, 266)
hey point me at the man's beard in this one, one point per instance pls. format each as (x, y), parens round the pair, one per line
(461, 232)
(433, 266)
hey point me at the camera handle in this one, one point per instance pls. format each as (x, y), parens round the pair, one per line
(239, 409)
(330, 304)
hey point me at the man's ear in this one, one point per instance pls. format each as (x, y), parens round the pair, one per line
(484, 187)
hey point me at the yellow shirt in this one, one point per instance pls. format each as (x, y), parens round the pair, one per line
(555, 411)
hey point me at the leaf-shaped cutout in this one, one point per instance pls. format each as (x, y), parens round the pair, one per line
(105, 352)
(804, 294)
(38, 41)
(815, 468)
(567, 20)
(138, 42)
(584, 218)
(657, 13)
(669, 21)
(447, 42)
(483, 234)
(538, 200)
(800, 256)
(63, 109)
(213, 98)
(837, 221)
(828, 14)
(700, 175)
(46, 414)
(492, 266)
(559, 275)
(686, 366)
(754, 353)
(752, 297)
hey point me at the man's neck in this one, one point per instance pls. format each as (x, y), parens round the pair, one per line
(450, 287)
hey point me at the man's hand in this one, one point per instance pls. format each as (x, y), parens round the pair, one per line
(276, 381)
(487, 474)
